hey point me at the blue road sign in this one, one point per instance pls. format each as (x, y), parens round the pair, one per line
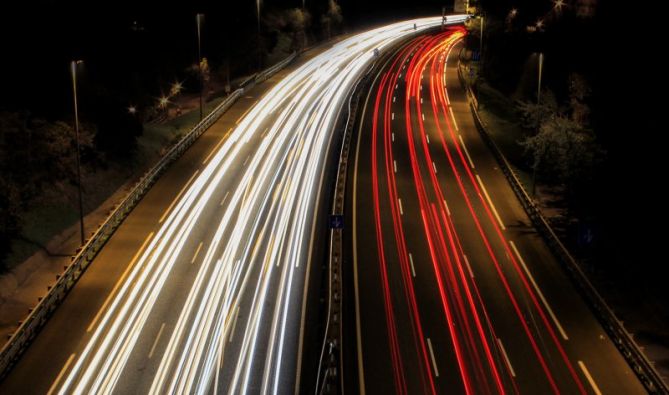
(336, 221)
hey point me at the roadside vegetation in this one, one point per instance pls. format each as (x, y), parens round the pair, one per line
(128, 120)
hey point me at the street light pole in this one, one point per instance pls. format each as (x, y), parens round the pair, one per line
(73, 71)
(536, 163)
(541, 67)
(198, 19)
(481, 43)
(259, 46)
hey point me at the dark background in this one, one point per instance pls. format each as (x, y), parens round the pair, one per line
(132, 49)
(618, 50)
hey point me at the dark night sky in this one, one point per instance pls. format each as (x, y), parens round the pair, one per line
(38, 38)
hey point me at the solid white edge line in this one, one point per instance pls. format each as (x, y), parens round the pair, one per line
(450, 109)
(356, 287)
(413, 269)
(246, 112)
(589, 377)
(492, 206)
(118, 283)
(216, 147)
(434, 361)
(162, 218)
(305, 289)
(155, 342)
(471, 162)
(506, 357)
(53, 387)
(541, 295)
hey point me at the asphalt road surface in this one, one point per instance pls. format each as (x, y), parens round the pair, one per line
(454, 291)
(202, 288)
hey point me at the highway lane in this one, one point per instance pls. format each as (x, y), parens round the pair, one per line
(212, 297)
(69, 328)
(456, 292)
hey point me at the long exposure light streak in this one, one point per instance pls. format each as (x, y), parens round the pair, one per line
(442, 170)
(256, 244)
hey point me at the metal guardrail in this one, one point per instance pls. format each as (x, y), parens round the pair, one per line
(331, 379)
(330, 372)
(39, 315)
(256, 78)
(639, 363)
(266, 74)
(248, 82)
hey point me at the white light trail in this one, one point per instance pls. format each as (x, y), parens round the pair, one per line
(249, 276)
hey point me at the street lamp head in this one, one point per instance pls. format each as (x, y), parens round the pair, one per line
(132, 110)
(540, 23)
(74, 64)
(163, 101)
(559, 4)
(176, 88)
(513, 12)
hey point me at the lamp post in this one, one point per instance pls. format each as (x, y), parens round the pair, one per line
(481, 43)
(198, 20)
(259, 46)
(558, 5)
(537, 161)
(73, 72)
(541, 67)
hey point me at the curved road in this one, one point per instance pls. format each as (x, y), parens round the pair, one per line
(210, 288)
(454, 290)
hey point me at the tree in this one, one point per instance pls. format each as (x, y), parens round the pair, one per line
(288, 28)
(579, 91)
(35, 155)
(532, 114)
(563, 149)
(10, 224)
(332, 18)
(299, 20)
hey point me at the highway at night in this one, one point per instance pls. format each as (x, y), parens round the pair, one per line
(210, 297)
(453, 291)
